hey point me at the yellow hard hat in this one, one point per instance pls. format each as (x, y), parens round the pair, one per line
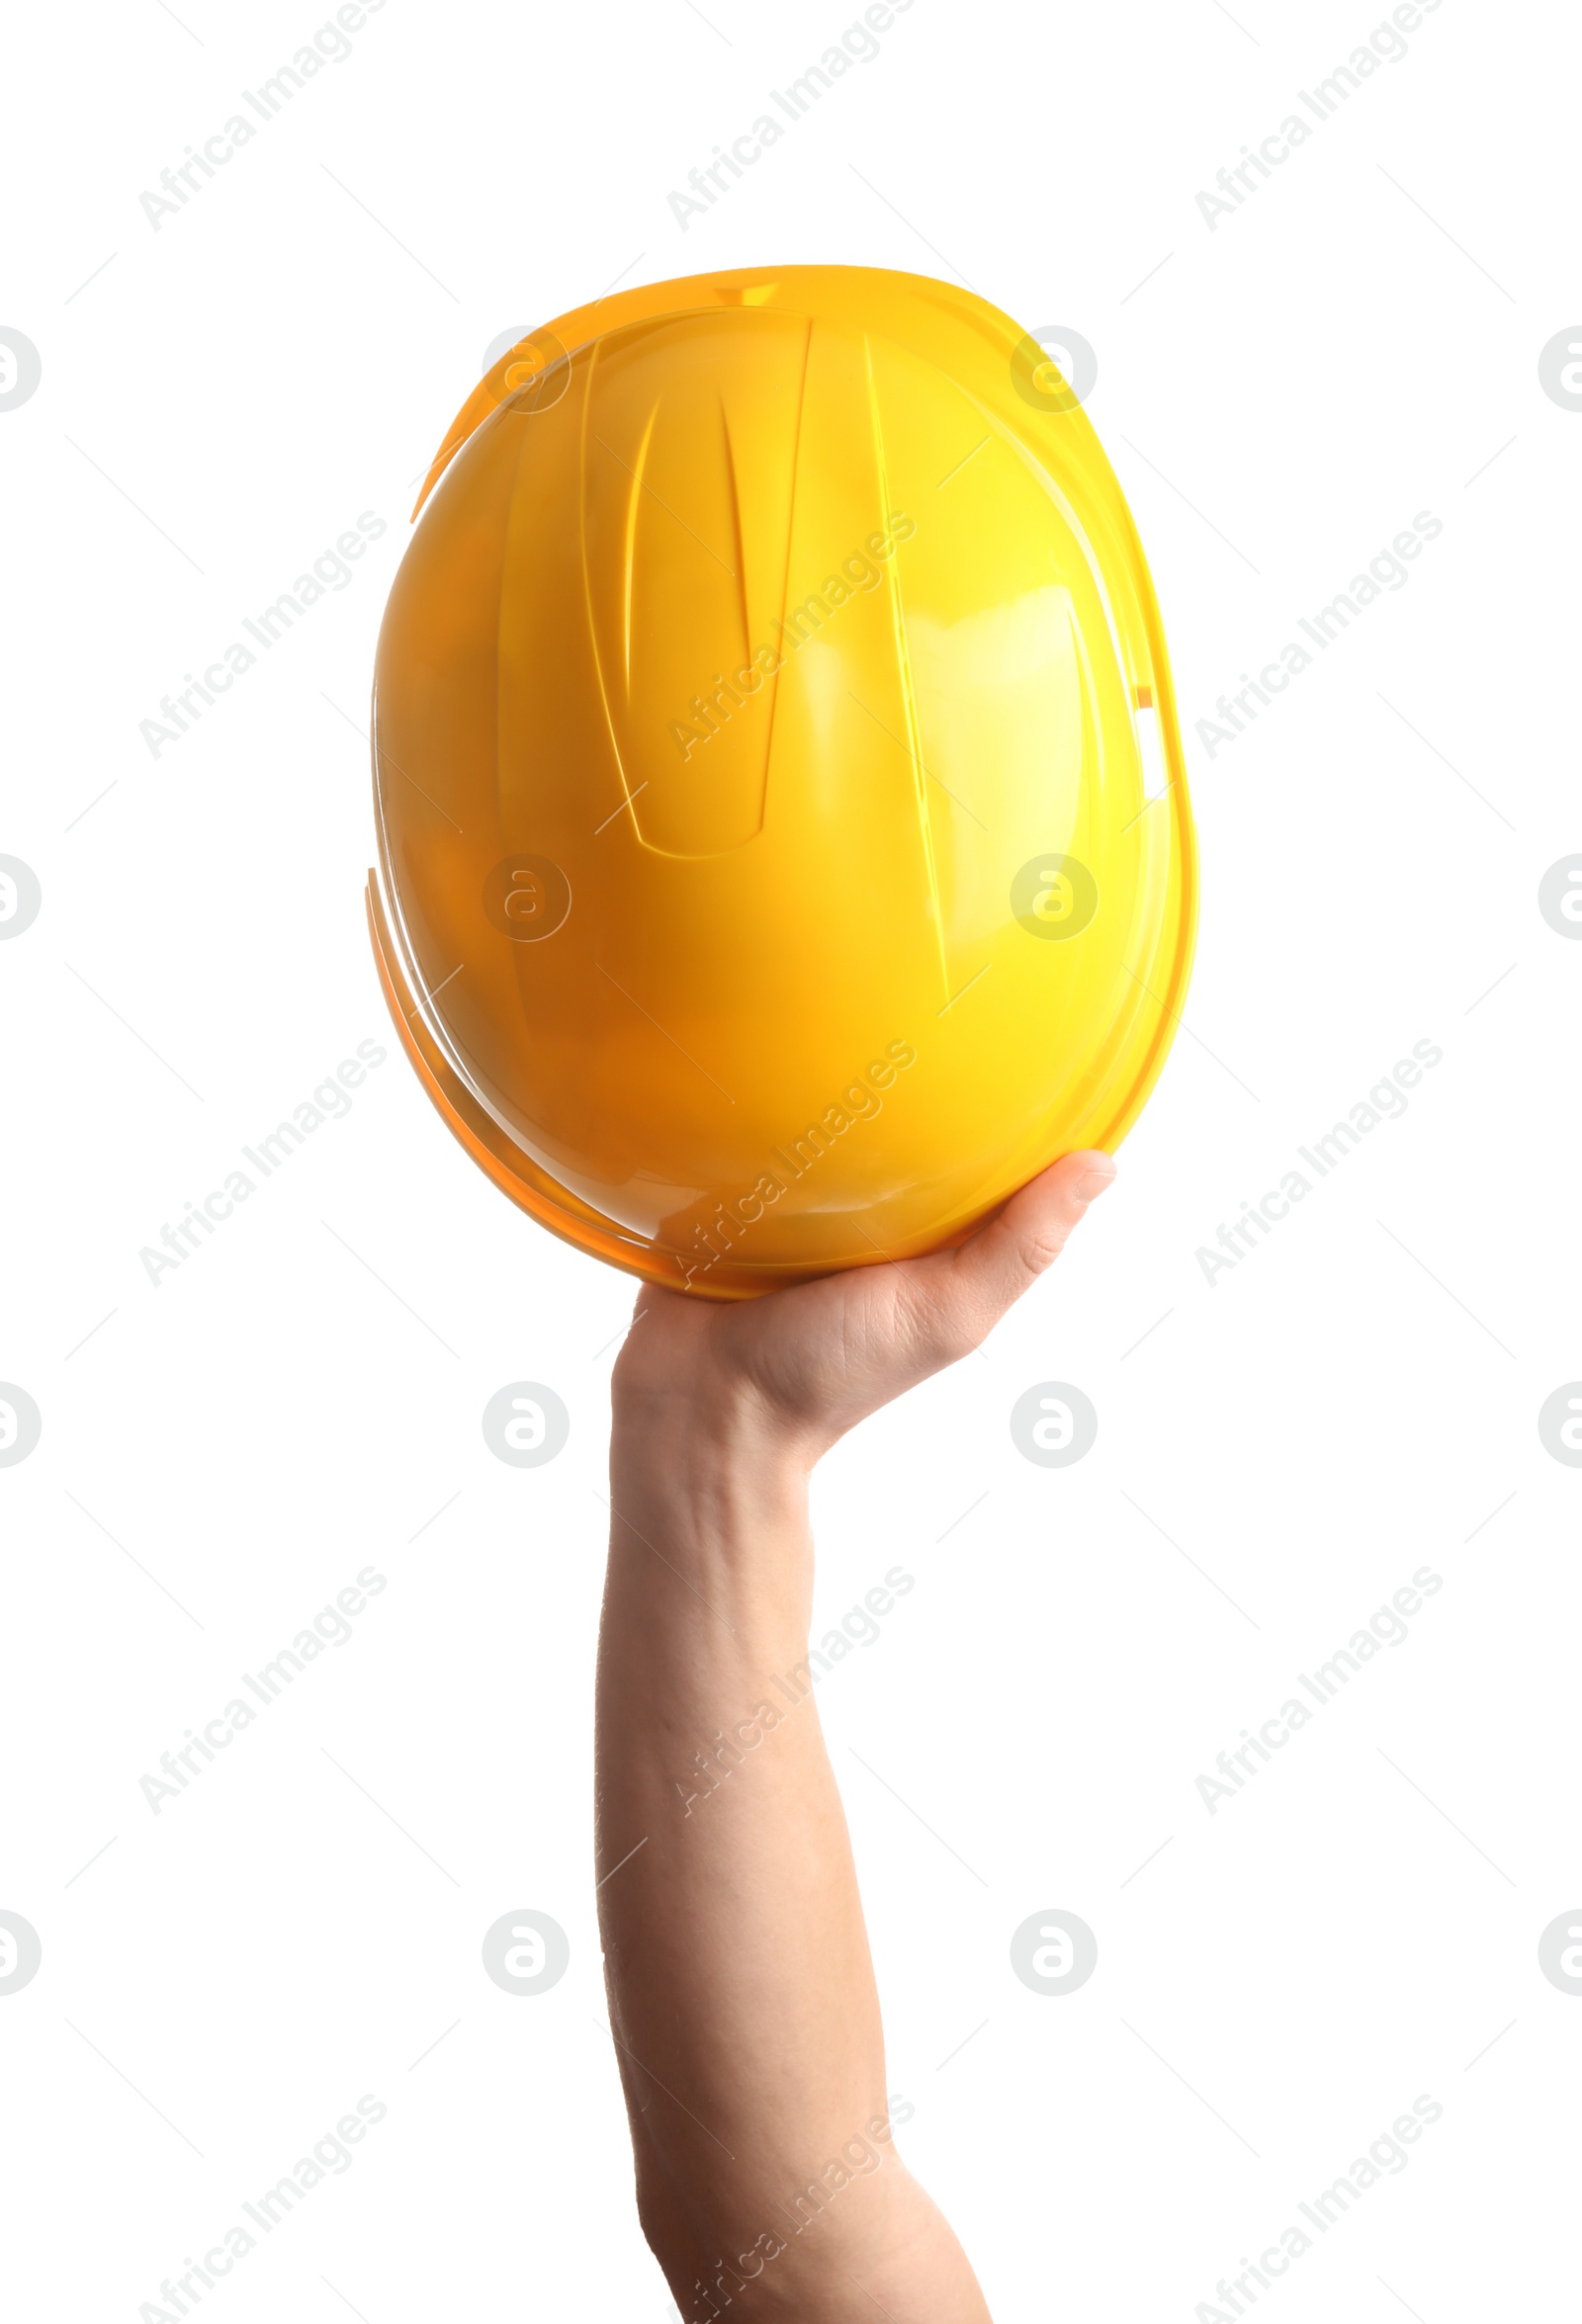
(784, 847)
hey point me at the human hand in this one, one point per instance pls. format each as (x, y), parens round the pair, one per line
(742, 1991)
(800, 1367)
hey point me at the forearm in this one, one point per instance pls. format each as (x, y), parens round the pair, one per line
(740, 1986)
(737, 1963)
(742, 1992)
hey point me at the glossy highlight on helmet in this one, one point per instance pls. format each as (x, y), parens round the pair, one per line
(784, 849)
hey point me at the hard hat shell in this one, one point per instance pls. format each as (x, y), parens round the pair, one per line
(784, 844)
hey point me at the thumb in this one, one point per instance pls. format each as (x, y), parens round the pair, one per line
(1010, 1250)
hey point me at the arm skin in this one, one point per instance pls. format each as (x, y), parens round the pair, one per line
(740, 1987)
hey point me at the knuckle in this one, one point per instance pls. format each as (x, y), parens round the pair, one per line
(938, 1329)
(1040, 1247)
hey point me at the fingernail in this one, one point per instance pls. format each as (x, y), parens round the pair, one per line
(1090, 1188)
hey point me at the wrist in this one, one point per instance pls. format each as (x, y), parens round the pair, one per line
(719, 1462)
(720, 1510)
(708, 1460)
(712, 1420)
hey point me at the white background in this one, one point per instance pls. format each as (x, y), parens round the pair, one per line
(220, 1454)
